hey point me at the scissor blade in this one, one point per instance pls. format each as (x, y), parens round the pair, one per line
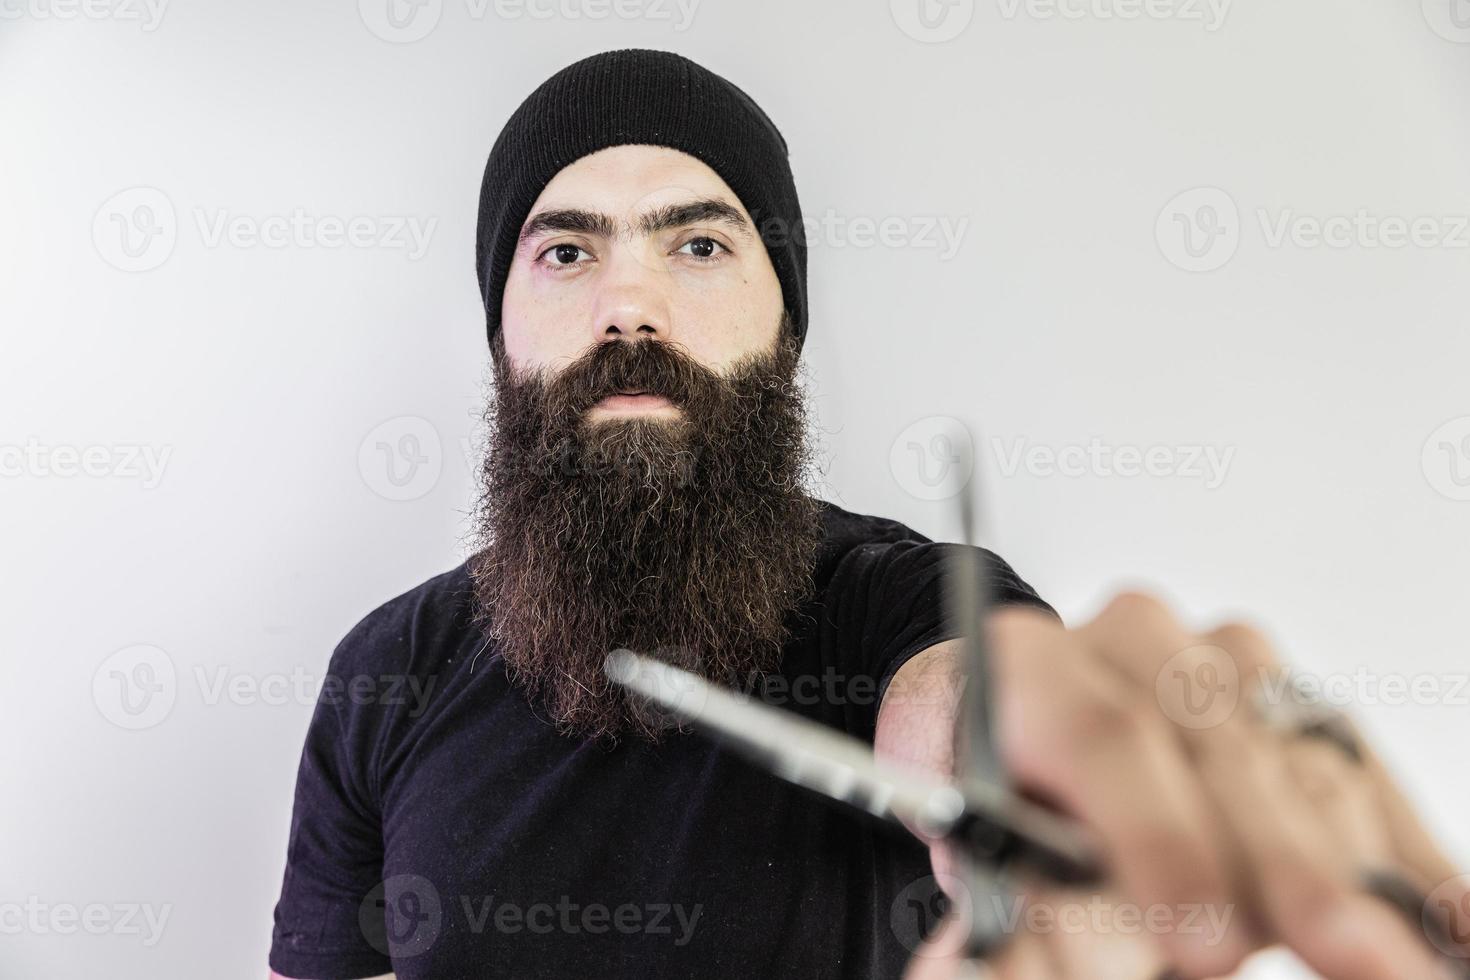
(842, 768)
(967, 599)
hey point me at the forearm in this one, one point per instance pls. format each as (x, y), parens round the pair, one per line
(917, 717)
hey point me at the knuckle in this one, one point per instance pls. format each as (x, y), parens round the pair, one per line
(1136, 607)
(1014, 621)
(1242, 636)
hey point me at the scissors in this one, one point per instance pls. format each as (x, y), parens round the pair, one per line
(996, 831)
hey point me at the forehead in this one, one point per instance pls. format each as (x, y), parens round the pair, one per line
(632, 178)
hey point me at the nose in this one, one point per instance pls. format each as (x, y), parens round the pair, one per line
(632, 301)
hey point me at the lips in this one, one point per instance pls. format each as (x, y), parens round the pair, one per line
(634, 400)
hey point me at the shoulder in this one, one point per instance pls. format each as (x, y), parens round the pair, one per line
(414, 632)
(845, 533)
(870, 554)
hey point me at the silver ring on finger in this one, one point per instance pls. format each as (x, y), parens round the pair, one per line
(1288, 707)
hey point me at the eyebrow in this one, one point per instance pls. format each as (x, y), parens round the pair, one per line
(702, 210)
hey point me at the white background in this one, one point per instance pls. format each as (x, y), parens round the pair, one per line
(1058, 139)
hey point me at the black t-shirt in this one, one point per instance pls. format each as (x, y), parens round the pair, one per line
(438, 817)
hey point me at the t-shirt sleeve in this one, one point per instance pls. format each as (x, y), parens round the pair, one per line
(897, 591)
(334, 856)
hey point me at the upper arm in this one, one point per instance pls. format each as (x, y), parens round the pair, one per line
(334, 854)
(892, 613)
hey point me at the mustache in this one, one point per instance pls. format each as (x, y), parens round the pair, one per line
(653, 366)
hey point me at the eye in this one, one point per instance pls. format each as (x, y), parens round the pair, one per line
(564, 254)
(704, 249)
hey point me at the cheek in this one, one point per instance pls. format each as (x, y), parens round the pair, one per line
(542, 327)
(719, 327)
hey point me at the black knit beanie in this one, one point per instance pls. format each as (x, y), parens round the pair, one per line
(637, 95)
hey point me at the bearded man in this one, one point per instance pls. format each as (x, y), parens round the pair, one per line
(643, 267)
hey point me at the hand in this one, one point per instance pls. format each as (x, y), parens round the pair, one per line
(1145, 731)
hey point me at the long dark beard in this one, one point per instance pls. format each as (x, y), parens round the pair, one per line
(691, 539)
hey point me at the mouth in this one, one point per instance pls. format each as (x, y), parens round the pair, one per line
(634, 400)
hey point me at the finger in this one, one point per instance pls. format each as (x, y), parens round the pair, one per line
(1344, 798)
(1297, 887)
(1445, 887)
(1026, 957)
(1099, 936)
(1413, 845)
(1075, 730)
(1304, 886)
(941, 958)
